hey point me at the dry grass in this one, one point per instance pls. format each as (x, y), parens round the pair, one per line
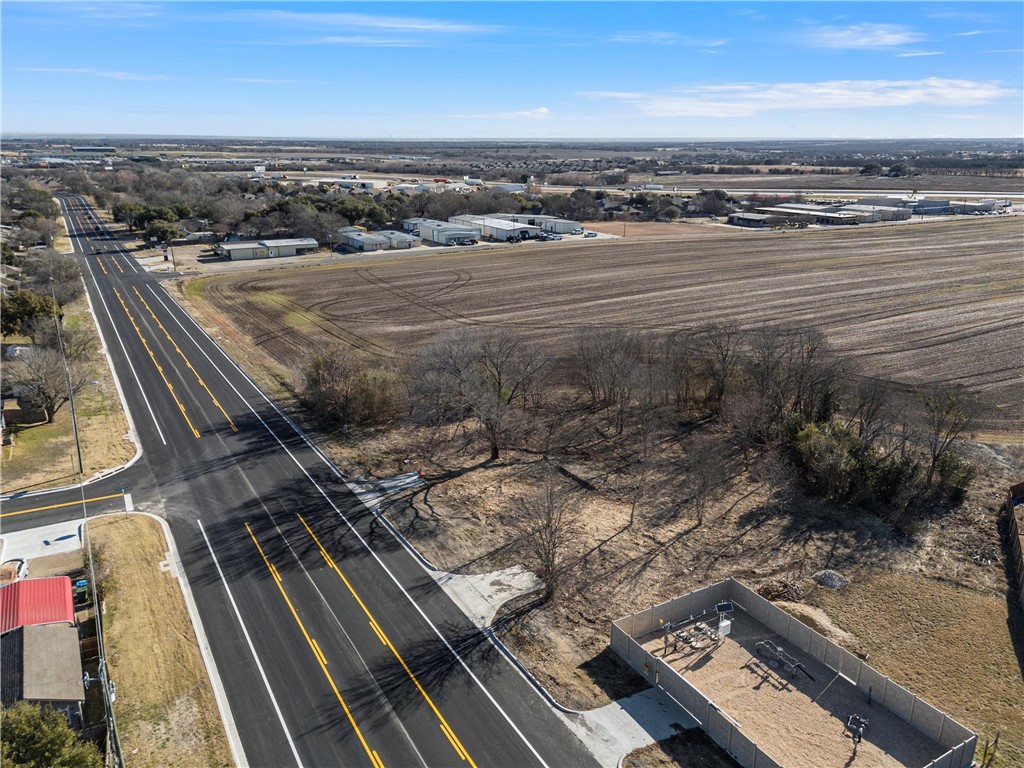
(688, 749)
(950, 645)
(165, 708)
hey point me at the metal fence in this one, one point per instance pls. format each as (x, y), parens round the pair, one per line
(725, 731)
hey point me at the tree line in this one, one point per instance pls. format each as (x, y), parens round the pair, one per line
(778, 392)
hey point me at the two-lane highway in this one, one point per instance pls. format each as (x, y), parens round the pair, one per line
(334, 645)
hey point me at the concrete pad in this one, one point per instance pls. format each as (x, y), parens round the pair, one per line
(480, 596)
(613, 731)
(40, 542)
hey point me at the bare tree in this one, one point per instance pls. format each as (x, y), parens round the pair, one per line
(706, 469)
(48, 332)
(949, 414)
(485, 375)
(548, 525)
(44, 382)
(718, 349)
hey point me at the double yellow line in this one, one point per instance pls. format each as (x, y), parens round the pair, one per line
(445, 728)
(320, 659)
(187, 362)
(159, 367)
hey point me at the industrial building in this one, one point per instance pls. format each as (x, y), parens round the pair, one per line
(879, 212)
(398, 239)
(752, 219)
(811, 214)
(441, 232)
(359, 240)
(497, 229)
(554, 224)
(266, 249)
(365, 184)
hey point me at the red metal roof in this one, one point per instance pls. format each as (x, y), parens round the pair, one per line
(36, 601)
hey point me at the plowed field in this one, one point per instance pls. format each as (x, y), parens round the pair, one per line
(926, 303)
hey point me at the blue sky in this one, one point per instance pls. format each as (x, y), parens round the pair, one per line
(534, 70)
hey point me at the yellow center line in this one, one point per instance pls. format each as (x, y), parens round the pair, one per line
(187, 362)
(321, 660)
(159, 368)
(118, 265)
(58, 506)
(100, 262)
(445, 728)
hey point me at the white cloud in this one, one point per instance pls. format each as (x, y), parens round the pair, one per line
(666, 38)
(109, 75)
(861, 36)
(913, 54)
(976, 32)
(747, 99)
(120, 11)
(364, 41)
(355, 21)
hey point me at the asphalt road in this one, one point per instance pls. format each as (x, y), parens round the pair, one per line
(334, 646)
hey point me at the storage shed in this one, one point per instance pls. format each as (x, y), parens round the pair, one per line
(553, 224)
(267, 249)
(445, 233)
(497, 229)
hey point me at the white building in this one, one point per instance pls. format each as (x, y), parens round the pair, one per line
(554, 224)
(447, 233)
(358, 240)
(267, 249)
(497, 229)
(398, 239)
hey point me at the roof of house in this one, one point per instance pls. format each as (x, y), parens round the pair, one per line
(52, 664)
(36, 601)
(300, 241)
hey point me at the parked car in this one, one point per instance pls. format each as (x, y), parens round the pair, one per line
(590, 234)
(554, 237)
(578, 231)
(515, 239)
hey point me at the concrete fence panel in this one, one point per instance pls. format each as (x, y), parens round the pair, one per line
(719, 728)
(946, 761)
(952, 732)
(817, 647)
(778, 621)
(742, 748)
(681, 610)
(757, 607)
(620, 641)
(899, 700)
(719, 592)
(873, 680)
(929, 721)
(799, 634)
(833, 655)
(693, 701)
(761, 760)
(643, 622)
(849, 665)
(700, 600)
(970, 746)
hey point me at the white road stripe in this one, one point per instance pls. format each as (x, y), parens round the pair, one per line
(327, 498)
(256, 658)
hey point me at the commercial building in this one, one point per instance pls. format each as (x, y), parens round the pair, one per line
(358, 240)
(752, 219)
(267, 249)
(413, 225)
(497, 229)
(398, 239)
(446, 233)
(553, 224)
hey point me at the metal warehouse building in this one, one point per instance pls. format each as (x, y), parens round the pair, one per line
(497, 229)
(554, 224)
(446, 233)
(358, 240)
(398, 239)
(267, 249)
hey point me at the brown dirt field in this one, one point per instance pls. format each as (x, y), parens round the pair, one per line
(165, 709)
(826, 181)
(927, 303)
(44, 455)
(796, 720)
